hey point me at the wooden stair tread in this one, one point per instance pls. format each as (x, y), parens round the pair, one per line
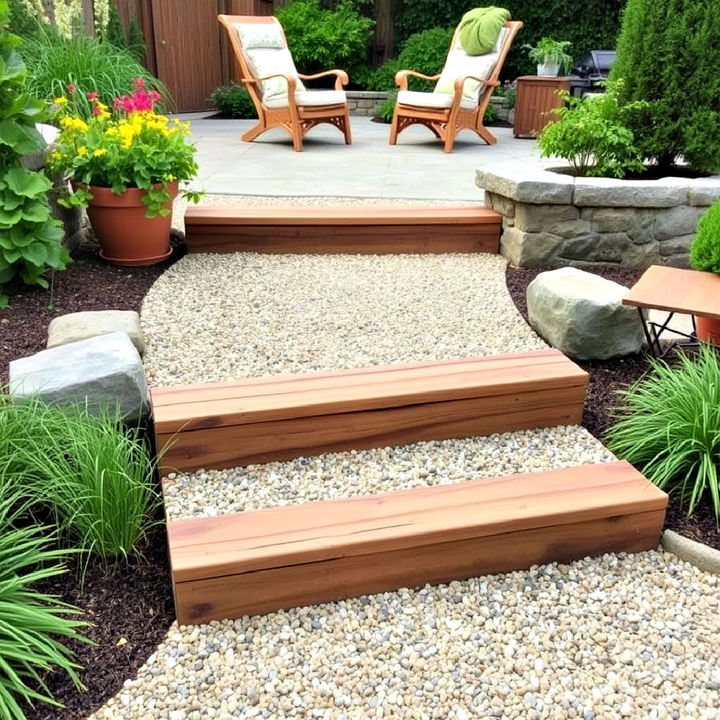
(279, 537)
(294, 396)
(355, 215)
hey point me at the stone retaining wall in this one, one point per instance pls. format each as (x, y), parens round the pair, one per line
(554, 220)
(365, 103)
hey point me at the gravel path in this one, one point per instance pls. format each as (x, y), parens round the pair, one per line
(614, 637)
(219, 317)
(363, 472)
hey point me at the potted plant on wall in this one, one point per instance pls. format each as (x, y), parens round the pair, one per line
(550, 55)
(125, 166)
(705, 255)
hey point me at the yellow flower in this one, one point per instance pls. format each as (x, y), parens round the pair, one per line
(60, 101)
(82, 150)
(73, 123)
(99, 152)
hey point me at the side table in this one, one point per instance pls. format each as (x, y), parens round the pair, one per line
(535, 99)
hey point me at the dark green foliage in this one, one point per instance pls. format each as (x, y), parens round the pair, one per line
(590, 25)
(388, 108)
(321, 39)
(669, 426)
(21, 22)
(424, 52)
(705, 250)
(30, 238)
(233, 101)
(667, 55)
(114, 32)
(136, 40)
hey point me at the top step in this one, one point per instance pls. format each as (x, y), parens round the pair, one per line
(352, 229)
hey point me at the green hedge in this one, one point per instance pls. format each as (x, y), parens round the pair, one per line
(590, 25)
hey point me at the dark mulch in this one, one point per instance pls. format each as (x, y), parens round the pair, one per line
(605, 378)
(131, 608)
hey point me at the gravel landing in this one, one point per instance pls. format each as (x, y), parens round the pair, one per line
(614, 637)
(220, 317)
(364, 472)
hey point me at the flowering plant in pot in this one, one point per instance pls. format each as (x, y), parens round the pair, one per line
(550, 55)
(125, 166)
(705, 255)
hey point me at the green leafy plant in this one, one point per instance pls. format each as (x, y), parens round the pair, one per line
(550, 52)
(669, 426)
(132, 147)
(424, 52)
(590, 133)
(33, 625)
(133, 40)
(86, 65)
(92, 474)
(386, 110)
(21, 23)
(30, 238)
(705, 249)
(666, 57)
(233, 101)
(321, 39)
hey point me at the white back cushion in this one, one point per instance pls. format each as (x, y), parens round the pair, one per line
(266, 54)
(460, 64)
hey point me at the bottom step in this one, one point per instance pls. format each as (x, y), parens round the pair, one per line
(257, 562)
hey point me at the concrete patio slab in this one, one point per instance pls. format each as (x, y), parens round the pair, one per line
(416, 168)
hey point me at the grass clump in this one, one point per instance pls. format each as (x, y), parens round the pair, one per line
(92, 474)
(33, 625)
(705, 249)
(669, 427)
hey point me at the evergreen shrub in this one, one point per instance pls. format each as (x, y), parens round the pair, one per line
(705, 250)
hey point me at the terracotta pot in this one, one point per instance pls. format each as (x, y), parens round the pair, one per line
(125, 235)
(708, 329)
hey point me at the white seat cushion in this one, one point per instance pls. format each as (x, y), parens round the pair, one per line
(308, 98)
(433, 100)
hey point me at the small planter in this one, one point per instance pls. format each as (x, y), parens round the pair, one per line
(708, 329)
(548, 69)
(126, 236)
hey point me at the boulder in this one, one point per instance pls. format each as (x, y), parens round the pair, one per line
(82, 325)
(582, 315)
(103, 370)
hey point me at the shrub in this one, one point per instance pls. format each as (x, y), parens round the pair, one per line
(30, 239)
(21, 23)
(665, 57)
(385, 113)
(321, 39)
(705, 249)
(670, 427)
(593, 25)
(591, 135)
(383, 77)
(91, 473)
(233, 101)
(85, 63)
(33, 625)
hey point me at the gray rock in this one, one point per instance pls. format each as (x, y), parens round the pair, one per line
(700, 555)
(82, 325)
(609, 192)
(681, 220)
(524, 249)
(36, 160)
(499, 203)
(676, 245)
(582, 314)
(704, 191)
(544, 218)
(530, 186)
(103, 370)
(600, 248)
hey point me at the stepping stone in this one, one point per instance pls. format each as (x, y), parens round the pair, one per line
(582, 315)
(83, 325)
(104, 370)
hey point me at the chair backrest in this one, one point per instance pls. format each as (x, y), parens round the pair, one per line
(261, 50)
(488, 66)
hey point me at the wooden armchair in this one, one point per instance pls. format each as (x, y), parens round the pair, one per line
(461, 95)
(275, 86)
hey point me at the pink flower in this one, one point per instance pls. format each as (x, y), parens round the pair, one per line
(97, 110)
(92, 96)
(139, 84)
(71, 88)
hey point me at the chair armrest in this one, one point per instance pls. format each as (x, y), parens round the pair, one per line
(341, 77)
(291, 81)
(460, 82)
(401, 79)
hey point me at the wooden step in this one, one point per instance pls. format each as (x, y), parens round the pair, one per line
(354, 230)
(257, 562)
(281, 417)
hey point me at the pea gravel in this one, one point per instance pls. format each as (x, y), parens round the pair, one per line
(618, 636)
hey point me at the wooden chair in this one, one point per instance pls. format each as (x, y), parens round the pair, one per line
(461, 95)
(275, 86)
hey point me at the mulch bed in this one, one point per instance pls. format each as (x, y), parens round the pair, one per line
(130, 608)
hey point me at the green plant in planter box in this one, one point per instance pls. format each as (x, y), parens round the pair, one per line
(590, 133)
(30, 238)
(705, 249)
(551, 52)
